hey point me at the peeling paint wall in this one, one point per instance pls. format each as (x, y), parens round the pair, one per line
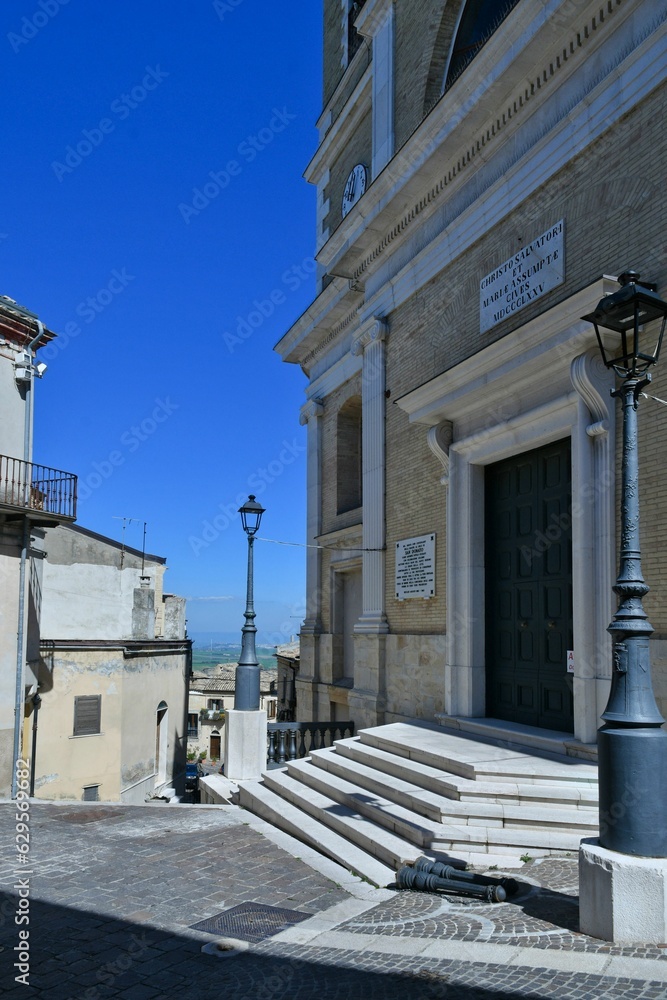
(89, 569)
(121, 758)
(64, 763)
(95, 594)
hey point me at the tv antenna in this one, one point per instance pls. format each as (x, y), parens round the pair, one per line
(126, 521)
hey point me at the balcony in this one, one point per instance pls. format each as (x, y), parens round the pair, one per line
(46, 495)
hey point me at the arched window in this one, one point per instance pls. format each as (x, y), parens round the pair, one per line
(478, 21)
(348, 450)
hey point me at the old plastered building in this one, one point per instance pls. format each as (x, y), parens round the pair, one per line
(484, 171)
(113, 673)
(32, 497)
(211, 695)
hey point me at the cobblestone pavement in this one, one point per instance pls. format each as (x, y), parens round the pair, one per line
(543, 914)
(114, 892)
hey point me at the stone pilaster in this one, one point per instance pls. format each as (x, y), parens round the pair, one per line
(310, 416)
(376, 22)
(593, 534)
(311, 627)
(371, 344)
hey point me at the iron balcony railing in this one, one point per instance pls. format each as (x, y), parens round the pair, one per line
(292, 740)
(26, 486)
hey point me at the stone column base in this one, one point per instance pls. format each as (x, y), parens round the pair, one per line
(622, 898)
(245, 744)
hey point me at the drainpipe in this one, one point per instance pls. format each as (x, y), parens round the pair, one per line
(20, 650)
(36, 702)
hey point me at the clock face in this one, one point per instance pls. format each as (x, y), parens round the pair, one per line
(354, 188)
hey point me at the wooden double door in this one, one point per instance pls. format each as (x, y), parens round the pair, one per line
(528, 586)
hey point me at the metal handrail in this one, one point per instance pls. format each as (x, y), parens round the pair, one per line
(28, 486)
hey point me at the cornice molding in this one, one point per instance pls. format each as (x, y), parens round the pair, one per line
(544, 345)
(320, 313)
(351, 317)
(448, 117)
(342, 129)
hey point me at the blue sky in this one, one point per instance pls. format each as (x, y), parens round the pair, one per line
(156, 217)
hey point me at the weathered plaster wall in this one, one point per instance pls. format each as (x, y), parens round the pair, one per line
(147, 681)
(121, 759)
(12, 407)
(88, 569)
(65, 763)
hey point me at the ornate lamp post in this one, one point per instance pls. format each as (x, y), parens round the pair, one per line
(632, 746)
(246, 696)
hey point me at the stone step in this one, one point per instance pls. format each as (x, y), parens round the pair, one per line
(567, 795)
(519, 736)
(406, 793)
(360, 830)
(427, 834)
(442, 810)
(263, 802)
(394, 792)
(527, 839)
(459, 754)
(405, 823)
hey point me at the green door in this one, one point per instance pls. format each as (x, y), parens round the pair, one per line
(528, 573)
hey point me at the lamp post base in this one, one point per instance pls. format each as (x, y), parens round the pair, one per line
(633, 777)
(245, 745)
(622, 898)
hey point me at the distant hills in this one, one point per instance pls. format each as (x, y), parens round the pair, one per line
(208, 653)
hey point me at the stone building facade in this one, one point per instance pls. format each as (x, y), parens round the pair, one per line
(210, 696)
(484, 172)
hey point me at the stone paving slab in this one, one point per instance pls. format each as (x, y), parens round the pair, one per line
(114, 892)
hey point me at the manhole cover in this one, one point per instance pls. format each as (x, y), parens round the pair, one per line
(86, 815)
(251, 921)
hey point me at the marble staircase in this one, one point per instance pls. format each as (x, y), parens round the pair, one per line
(392, 793)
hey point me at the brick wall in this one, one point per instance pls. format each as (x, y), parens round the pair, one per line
(423, 36)
(652, 437)
(331, 520)
(610, 198)
(358, 150)
(415, 505)
(333, 50)
(348, 464)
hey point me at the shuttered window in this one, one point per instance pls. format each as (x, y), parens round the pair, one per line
(87, 715)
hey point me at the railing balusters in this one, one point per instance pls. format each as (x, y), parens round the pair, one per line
(281, 746)
(37, 487)
(271, 757)
(294, 740)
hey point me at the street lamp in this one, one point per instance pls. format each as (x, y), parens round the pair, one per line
(632, 746)
(246, 694)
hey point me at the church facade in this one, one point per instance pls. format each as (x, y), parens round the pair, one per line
(485, 172)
